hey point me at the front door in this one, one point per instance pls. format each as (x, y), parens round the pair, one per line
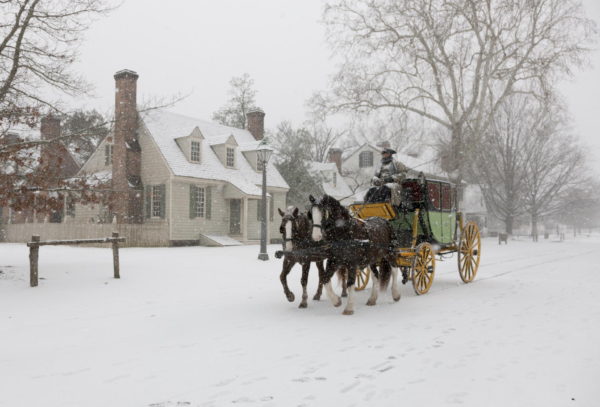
(235, 216)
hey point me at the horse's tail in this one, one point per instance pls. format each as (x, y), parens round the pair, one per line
(385, 274)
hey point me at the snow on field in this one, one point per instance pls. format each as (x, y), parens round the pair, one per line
(204, 326)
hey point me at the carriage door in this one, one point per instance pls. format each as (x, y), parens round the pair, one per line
(434, 209)
(448, 213)
(235, 216)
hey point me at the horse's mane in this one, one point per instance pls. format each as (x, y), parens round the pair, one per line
(334, 203)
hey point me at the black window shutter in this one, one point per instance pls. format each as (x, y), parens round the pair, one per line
(193, 203)
(163, 200)
(208, 204)
(148, 201)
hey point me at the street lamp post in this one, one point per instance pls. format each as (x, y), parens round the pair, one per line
(264, 153)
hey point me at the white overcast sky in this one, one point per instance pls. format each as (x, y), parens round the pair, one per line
(195, 47)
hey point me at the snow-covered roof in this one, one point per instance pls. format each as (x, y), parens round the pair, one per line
(164, 127)
(340, 189)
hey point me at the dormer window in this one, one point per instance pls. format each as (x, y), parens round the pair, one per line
(195, 152)
(230, 157)
(365, 159)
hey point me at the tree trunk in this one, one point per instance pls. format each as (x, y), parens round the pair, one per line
(534, 228)
(508, 222)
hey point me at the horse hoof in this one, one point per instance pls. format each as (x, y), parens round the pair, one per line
(371, 303)
(338, 303)
(290, 297)
(344, 295)
(348, 312)
(317, 298)
(302, 305)
(396, 298)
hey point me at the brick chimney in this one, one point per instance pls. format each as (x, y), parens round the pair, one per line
(334, 155)
(51, 154)
(126, 157)
(255, 120)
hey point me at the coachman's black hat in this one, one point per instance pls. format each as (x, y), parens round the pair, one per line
(388, 150)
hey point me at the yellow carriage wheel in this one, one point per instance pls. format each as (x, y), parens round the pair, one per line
(423, 268)
(362, 278)
(469, 252)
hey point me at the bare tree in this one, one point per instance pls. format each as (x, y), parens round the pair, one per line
(451, 61)
(502, 160)
(242, 100)
(38, 44)
(555, 163)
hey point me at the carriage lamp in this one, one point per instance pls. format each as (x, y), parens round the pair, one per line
(264, 153)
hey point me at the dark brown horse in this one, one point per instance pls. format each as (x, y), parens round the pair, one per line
(355, 244)
(295, 230)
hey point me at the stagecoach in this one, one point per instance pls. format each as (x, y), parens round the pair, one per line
(426, 225)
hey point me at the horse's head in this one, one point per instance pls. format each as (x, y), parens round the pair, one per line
(325, 214)
(289, 226)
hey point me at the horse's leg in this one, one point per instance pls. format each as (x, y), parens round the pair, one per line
(287, 266)
(321, 269)
(304, 282)
(395, 289)
(375, 287)
(349, 310)
(343, 276)
(330, 269)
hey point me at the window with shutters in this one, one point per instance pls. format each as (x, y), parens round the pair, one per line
(230, 157)
(365, 159)
(199, 197)
(195, 151)
(156, 201)
(108, 152)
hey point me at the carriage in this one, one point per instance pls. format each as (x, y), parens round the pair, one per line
(426, 224)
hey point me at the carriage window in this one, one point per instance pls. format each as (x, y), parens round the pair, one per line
(433, 188)
(365, 159)
(412, 191)
(447, 195)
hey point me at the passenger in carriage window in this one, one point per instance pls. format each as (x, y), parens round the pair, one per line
(390, 173)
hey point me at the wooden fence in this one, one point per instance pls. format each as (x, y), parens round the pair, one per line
(144, 235)
(34, 252)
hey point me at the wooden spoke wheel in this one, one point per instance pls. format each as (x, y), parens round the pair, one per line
(469, 252)
(423, 268)
(362, 278)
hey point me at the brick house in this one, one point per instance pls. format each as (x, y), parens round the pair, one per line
(178, 180)
(53, 159)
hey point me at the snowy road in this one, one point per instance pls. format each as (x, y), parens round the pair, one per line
(211, 327)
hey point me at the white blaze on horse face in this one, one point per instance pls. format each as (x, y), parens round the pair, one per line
(317, 234)
(289, 246)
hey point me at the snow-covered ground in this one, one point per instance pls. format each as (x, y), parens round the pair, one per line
(204, 326)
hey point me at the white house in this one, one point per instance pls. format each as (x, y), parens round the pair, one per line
(170, 179)
(333, 184)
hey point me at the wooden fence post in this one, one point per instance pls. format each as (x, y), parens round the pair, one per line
(115, 247)
(34, 251)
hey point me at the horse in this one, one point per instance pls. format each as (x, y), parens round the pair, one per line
(295, 230)
(357, 244)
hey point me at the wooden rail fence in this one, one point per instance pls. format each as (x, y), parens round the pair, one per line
(34, 251)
